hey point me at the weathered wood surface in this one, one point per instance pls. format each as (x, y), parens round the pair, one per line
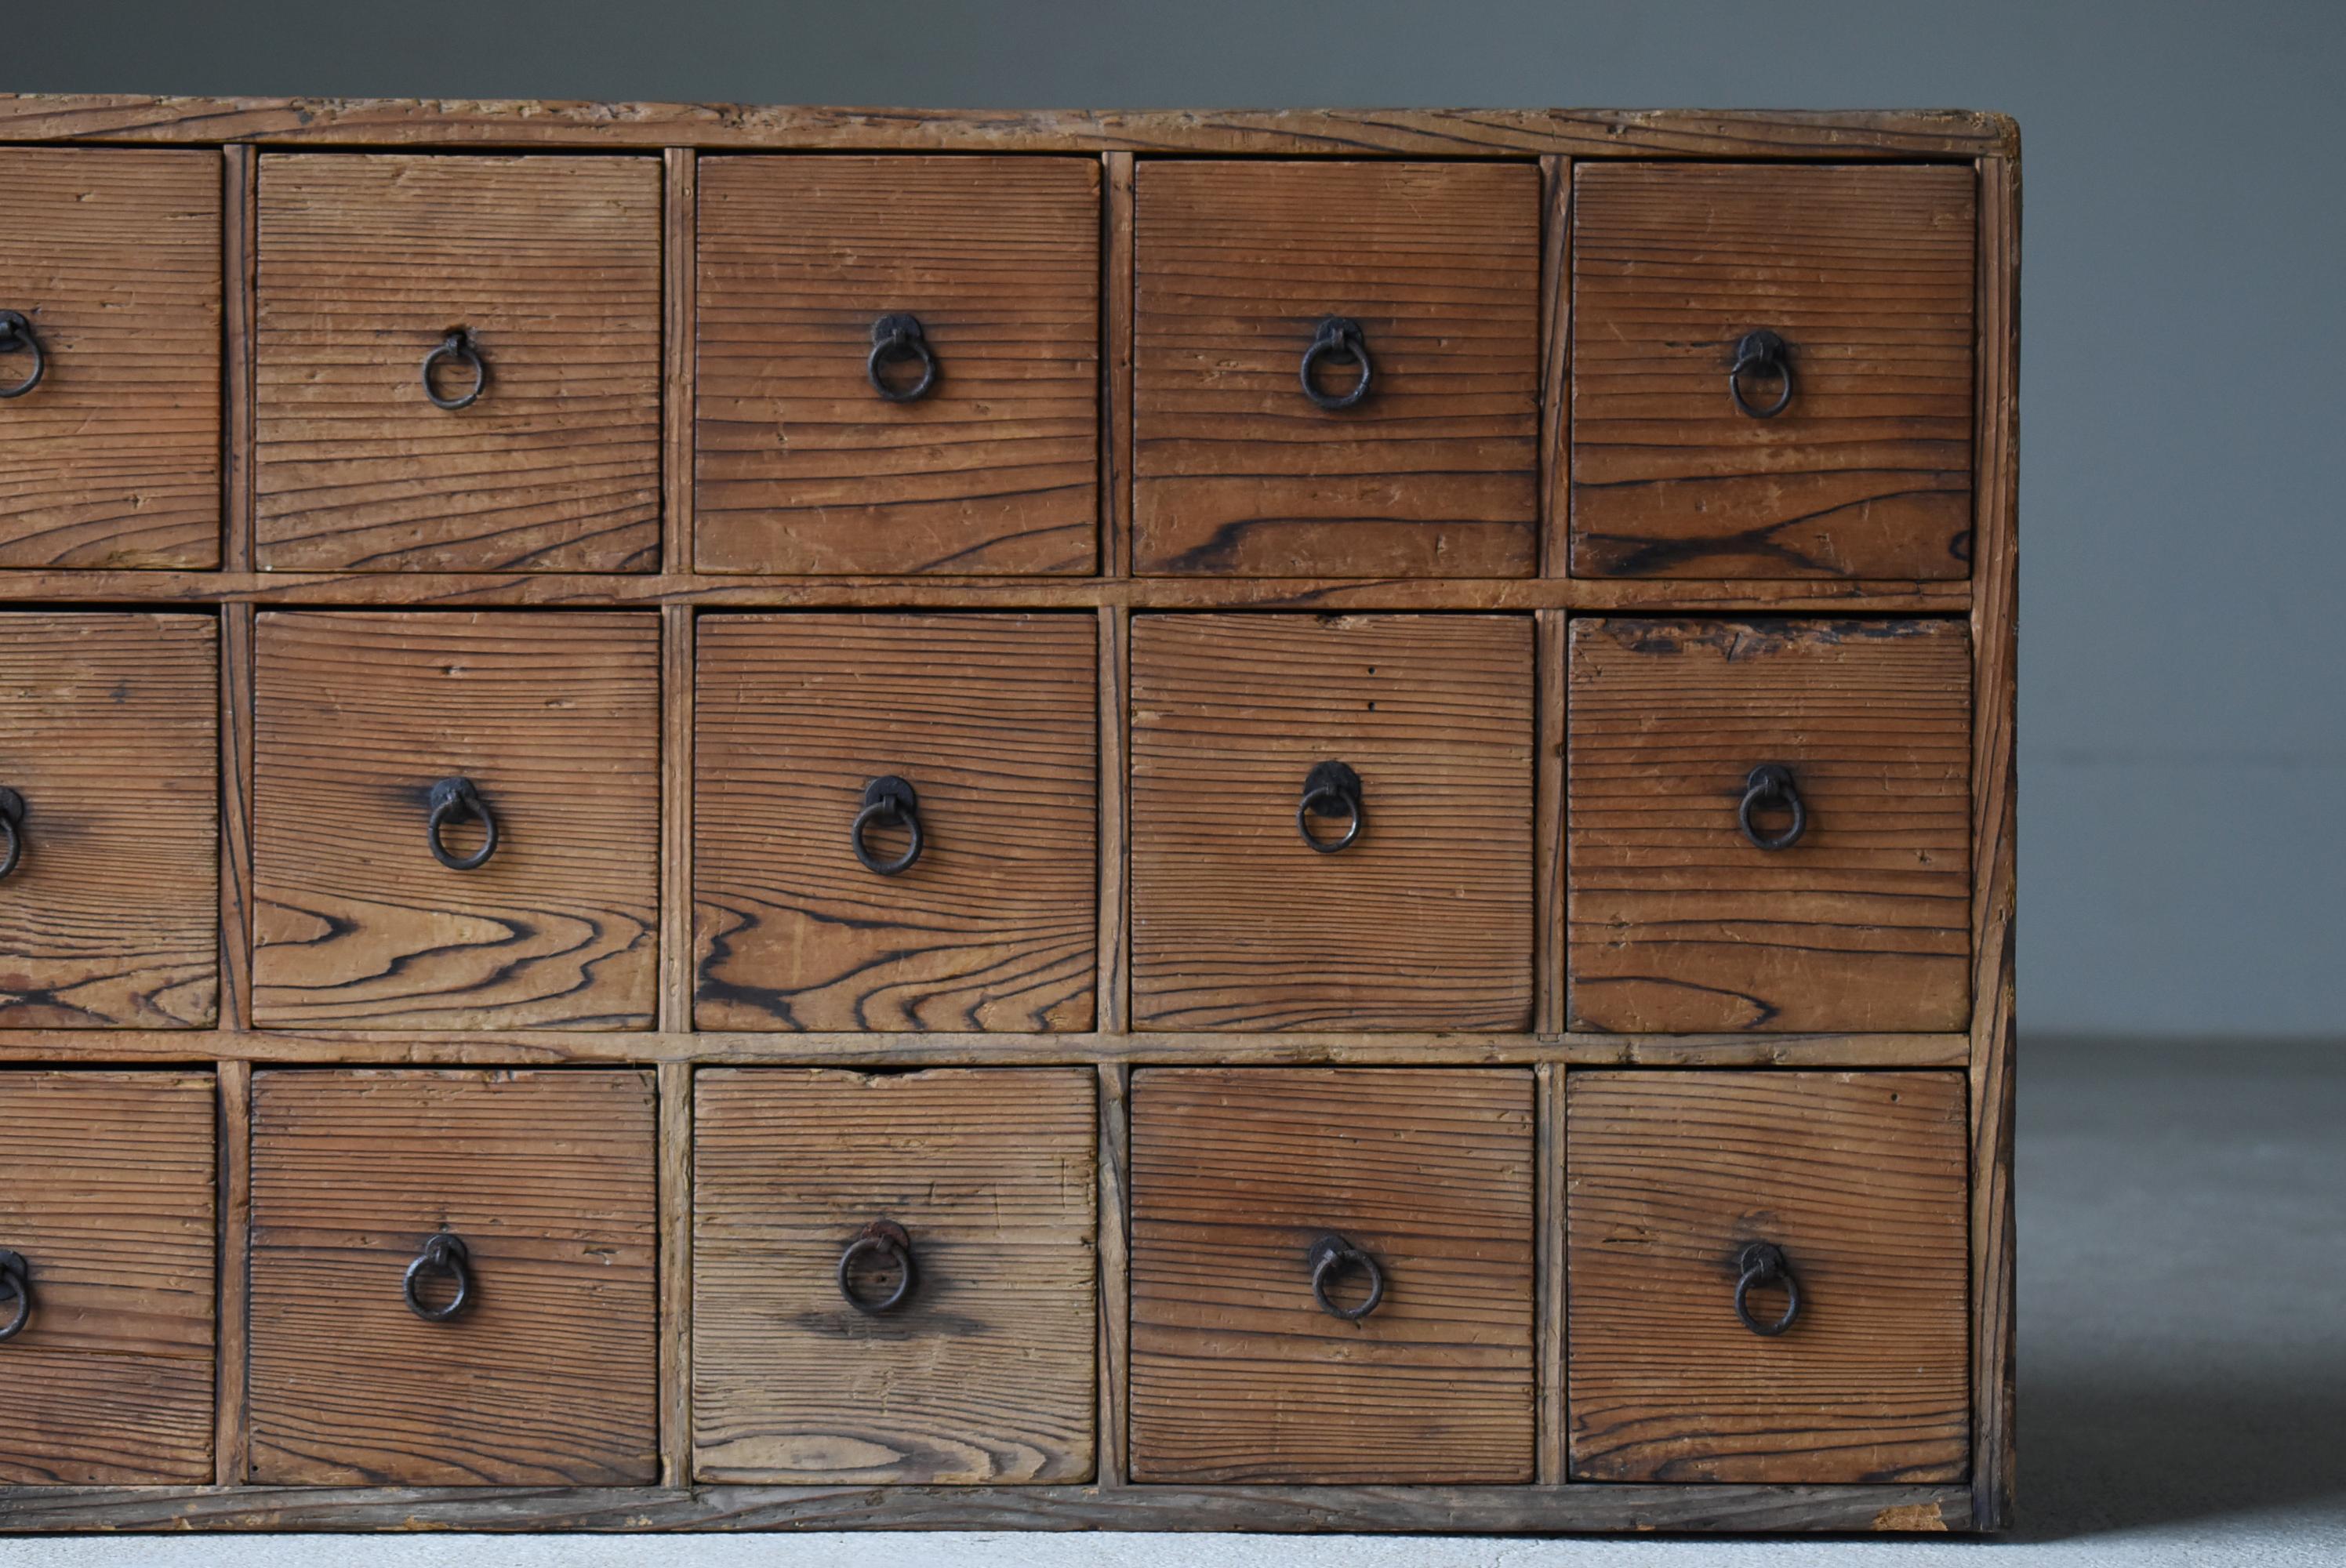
(555, 720)
(366, 263)
(1859, 1178)
(113, 459)
(549, 1375)
(1678, 922)
(802, 466)
(985, 1374)
(1235, 469)
(992, 721)
(1867, 274)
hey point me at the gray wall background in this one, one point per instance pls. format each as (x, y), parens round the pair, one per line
(2183, 717)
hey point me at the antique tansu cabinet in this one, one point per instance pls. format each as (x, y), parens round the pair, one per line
(726, 818)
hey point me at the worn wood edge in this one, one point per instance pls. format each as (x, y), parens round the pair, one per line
(1548, 1300)
(1114, 512)
(240, 247)
(1555, 360)
(680, 262)
(1549, 881)
(674, 1084)
(233, 1176)
(1112, 1000)
(1110, 1445)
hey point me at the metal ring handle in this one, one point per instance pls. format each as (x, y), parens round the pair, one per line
(12, 826)
(1337, 337)
(17, 1275)
(1763, 353)
(1763, 1263)
(444, 1253)
(451, 799)
(458, 346)
(886, 1239)
(17, 332)
(1330, 1256)
(901, 337)
(1330, 789)
(1771, 784)
(890, 802)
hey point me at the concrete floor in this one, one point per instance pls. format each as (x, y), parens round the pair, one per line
(2183, 1367)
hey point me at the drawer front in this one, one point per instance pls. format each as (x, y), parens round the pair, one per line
(1856, 1181)
(546, 1372)
(802, 464)
(110, 742)
(983, 1369)
(1425, 920)
(1420, 1179)
(109, 1376)
(815, 907)
(550, 270)
(111, 257)
(1238, 470)
(1864, 278)
(1855, 914)
(368, 729)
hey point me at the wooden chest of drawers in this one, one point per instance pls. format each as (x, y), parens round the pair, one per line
(780, 818)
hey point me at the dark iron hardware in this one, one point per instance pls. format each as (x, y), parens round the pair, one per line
(890, 802)
(456, 348)
(1770, 785)
(1330, 789)
(444, 1253)
(1330, 1257)
(16, 336)
(881, 1238)
(1762, 355)
(452, 798)
(1337, 339)
(1763, 1265)
(895, 338)
(16, 1282)
(12, 826)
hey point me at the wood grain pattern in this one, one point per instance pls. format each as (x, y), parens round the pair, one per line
(1235, 469)
(991, 719)
(1237, 1374)
(801, 466)
(239, 238)
(110, 735)
(548, 1377)
(985, 1374)
(679, 365)
(231, 1431)
(110, 1382)
(1859, 1178)
(1117, 174)
(555, 720)
(1426, 922)
(114, 459)
(553, 265)
(1114, 1436)
(1867, 274)
(1678, 922)
(673, 1081)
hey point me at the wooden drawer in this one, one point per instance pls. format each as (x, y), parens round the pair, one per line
(992, 723)
(1236, 469)
(361, 720)
(1238, 1372)
(1680, 920)
(109, 1213)
(112, 258)
(1856, 1179)
(1864, 275)
(545, 1373)
(550, 268)
(1424, 921)
(802, 463)
(984, 1370)
(110, 742)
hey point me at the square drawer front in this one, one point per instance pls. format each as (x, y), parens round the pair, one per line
(1831, 1207)
(1862, 280)
(1247, 271)
(110, 265)
(543, 272)
(381, 741)
(972, 1192)
(819, 274)
(105, 1268)
(1420, 729)
(1332, 1276)
(1768, 825)
(541, 1368)
(968, 902)
(109, 744)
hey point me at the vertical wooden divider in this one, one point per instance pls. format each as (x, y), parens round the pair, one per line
(674, 1083)
(234, 1199)
(1555, 362)
(1548, 890)
(1115, 1464)
(1113, 1006)
(239, 205)
(679, 268)
(1549, 1320)
(1115, 365)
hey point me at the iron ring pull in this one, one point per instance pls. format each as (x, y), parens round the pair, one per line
(444, 1253)
(17, 332)
(16, 1275)
(12, 826)
(886, 1239)
(457, 347)
(1330, 1256)
(1330, 789)
(1763, 1263)
(451, 799)
(901, 337)
(1761, 354)
(1337, 337)
(891, 802)
(1771, 784)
